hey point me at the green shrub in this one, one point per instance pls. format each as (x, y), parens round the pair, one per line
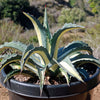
(72, 2)
(71, 15)
(95, 5)
(13, 8)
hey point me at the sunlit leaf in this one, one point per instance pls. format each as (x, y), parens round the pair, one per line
(15, 45)
(73, 47)
(68, 67)
(84, 58)
(46, 23)
(41, 72)
(39, 50)
(41, 32)
(64, 73)
(57, 36)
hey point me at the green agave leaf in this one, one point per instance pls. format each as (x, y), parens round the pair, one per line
(57, 36)
(74, 54)
(41, 72)
(10, 59)
(29, 47)
(46, 23)
(42, 33)
(34, 57)
(53, 67)
(15, 66)
(64, 73)
(67, 66)
(48, 31)
(71, 70)
(85, 58)
(30, 66)
(2, 56)
(39, 50)
(17, 72)
(16, 45)
(74, 47)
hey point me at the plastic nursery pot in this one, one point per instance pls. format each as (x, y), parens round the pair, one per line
(27, 91)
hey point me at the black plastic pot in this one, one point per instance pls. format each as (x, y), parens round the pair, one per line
(26, 91)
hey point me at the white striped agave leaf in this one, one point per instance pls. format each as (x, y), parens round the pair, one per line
(41, 72)
(71, 56)
(41, 66)
(15, 58)
(37, 50)
(42, 32)
(71, 50)
(81, 59)
(57, 36)
(53, 49)
(76, 46)
(14, 45)
(67, 66)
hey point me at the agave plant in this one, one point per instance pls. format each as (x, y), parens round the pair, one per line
(48, 57)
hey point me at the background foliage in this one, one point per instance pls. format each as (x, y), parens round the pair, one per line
(95, 5)
(71, 15)
(13, 8)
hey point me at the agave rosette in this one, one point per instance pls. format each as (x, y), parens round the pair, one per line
(48, 55)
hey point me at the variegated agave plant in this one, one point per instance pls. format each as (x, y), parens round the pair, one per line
(48, 57)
